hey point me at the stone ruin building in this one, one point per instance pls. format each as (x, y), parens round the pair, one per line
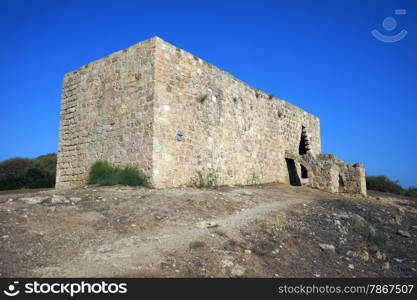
(183, 121)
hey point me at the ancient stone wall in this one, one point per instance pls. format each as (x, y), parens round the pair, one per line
(352, 179)
(185, 122)
(107, 114)
(231, 132)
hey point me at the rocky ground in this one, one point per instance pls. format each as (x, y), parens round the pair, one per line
(255, 231)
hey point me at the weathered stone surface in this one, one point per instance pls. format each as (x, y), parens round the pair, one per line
(34, 200)
(58, 199)
(75, 199)
(182, 120)
(327, 247)
(404, 233)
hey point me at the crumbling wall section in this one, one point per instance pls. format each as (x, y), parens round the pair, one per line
(327, 172)
(353, 178)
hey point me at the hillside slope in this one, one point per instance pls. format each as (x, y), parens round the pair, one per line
(255, 231)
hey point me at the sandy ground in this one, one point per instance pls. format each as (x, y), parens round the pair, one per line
(254, 231)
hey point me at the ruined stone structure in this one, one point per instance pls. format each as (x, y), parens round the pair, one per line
(185, 122)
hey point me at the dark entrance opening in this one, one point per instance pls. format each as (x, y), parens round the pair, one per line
(341, 183)
(304, 173)
(303, 148)
(292, 172)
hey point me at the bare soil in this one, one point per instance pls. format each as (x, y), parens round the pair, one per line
(254, 231)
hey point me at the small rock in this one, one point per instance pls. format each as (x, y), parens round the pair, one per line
(212, 225)
(247, 251)
(237, 270)
(208, 224)
(404, 233)
(327, 247)
(361, 254)
(341, 216)
(227, 262)
(364, 255)
(396, 220)
(75, 199)
(33, 200)
(351, 266)
(5, 237)
(379, 255)
(386, 266)
(58, 199)
(165, 265)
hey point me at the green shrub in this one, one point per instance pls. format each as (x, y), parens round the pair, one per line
(103, 173)
(99, 171)
(208, 180)
(411, 192)
(131, 176)
(45, 163)
(17, 173)
(365, 229)
(14, 167)
(35, 178)
(383, 184)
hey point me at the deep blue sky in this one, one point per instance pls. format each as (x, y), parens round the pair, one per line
(318, 55)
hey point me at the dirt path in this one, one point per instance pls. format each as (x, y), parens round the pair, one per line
(124, 255)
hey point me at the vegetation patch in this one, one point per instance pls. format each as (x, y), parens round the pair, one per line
(384, 184)
(103, 173)
(18, 173)
(375, 236)
(209, 181)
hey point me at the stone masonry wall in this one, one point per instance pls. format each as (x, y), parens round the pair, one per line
(353, 179)
(231, 132)
(107, 114)
(183, 121)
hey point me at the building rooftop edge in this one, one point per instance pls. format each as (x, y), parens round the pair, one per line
(157, 38)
